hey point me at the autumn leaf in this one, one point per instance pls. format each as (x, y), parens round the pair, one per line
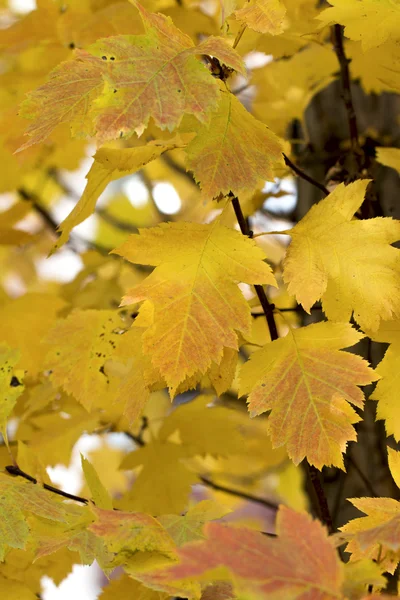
(99, 493)
(373, 22)
(126, 587)
(95, 333)
(113, 88)
(11, 386)
(377, 534)
(18, 497)
(348, 263)
(309, 406)
(169, 492)
(394, 465)
(264, 16)
(234, 152)
(387, 389)
(127, 532)
(109, 164)
(389, 157)
(300, 561)
(205, 429)
(193, 292)
(189, 527)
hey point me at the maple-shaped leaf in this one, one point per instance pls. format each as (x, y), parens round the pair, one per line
(80, 346)
(378, 533)
(11, 386)
(234, 153)
(113, 88)
(198, 307)
(127, 532)
(390, 157)
(371, 21)
(306, 381)
(348, 263)
(264, 16)
(386, 391)
(17, 497)
(163, 484)
(109, 164)
(189, 527)
(300, 563)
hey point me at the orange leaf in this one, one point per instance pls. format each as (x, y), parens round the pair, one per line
(306, 382)
(301, 562)
(113, 88)
(234, 153)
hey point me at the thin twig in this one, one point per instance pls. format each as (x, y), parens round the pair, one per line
(266, 306)
(16, 471)
(304, 175)
(238, 494)
(337, 40)
(365, 479)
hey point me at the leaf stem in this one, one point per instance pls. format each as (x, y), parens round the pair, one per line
(16, 472)
(304, 175)
(239, 35)
(262, 296)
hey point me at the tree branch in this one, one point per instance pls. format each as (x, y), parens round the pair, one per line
(262, 296)
(321, 503)
(304, 175)
(337, 40)
(16, 472)
(238, 494)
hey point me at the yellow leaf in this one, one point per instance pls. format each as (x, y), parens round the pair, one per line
(376, 535)
(371, 21)
(163, 484)
(309, 406)
(194, 293)
(11, 386)
(386, 391)
(95, 333)
(99, 493)
(234, 153)
(390, 157)
(109, 164)
(264, 16)
(205, 429)
(394, 465)
(26, 333)
(359, 575)
(348, 263)
(125, 587)
(15, 590)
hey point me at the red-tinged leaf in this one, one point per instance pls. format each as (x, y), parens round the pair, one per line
(300, 563)
(234, 153)
(113, 88)
(306, 381)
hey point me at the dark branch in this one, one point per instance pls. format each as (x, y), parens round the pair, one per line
(238, 494)
(337, 40)
(304, 175)
(262, 296)
(321, 503)
(16, 471)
